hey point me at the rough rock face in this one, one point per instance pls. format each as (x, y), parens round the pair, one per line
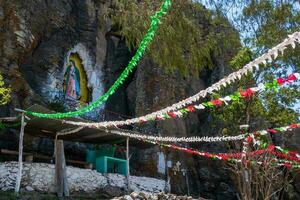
(35, 42)
(40, 178)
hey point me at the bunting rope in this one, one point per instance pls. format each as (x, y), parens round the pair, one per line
(242, 94)
(283, 153)
(155, 20)
(201, 139)
(292, 158)
(269, 56)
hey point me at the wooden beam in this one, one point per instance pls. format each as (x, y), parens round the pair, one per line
(20, 161)
(8, 119)
(62, 188)
(20, 110)
(69, 131)
(40, 156)
(127, 159)
(11, 152)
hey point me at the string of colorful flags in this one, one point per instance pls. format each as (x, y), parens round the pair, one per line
(288, 158)
(195, 139)
(242, 94)
(264, 59)
(283, 157)
(269, 56)
(237, 96)
(155, 21)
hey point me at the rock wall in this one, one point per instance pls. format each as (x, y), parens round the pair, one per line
(35, 42)
(40, 178)
(151, 89)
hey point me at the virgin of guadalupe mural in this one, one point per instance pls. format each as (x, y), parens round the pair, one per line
(75, 82)
(72, 81)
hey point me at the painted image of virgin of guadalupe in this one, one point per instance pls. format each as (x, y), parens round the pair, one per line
(72, 81)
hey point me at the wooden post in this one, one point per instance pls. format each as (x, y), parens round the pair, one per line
(62, 188)
(187, 181)
(167, 188)
(244, 166)
(127, 162)
(20, 162)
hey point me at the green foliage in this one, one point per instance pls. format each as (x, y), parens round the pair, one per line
(264, 24)
(243, 57)
(4, 92)
(189, 38)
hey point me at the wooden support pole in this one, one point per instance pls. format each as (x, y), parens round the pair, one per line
(62, 188)
(127, 162)
(167, 188)
(244, 165)
(20, 161)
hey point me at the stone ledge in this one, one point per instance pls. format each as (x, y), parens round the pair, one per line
(39, 177)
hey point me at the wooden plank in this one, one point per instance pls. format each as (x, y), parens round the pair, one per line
(127, 159)
(40, 156)
(62, 188)
(9, 119)
(20, 161)
(10, 152)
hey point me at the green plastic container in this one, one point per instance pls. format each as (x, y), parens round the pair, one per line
(92, 155)
(106, 151)
(107, 164)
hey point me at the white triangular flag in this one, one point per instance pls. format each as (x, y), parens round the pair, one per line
(293, 44)
(227, 98)
(199, 107)
(255, 89)
(275, 53)
(282, 50)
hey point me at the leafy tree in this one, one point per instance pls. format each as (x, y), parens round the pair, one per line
(191, 36)
(188, 39)
(263, 24)
(266, 23)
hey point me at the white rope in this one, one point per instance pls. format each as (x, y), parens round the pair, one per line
(176, 139)
(69, 131)
(269, 56)
(136, 135)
